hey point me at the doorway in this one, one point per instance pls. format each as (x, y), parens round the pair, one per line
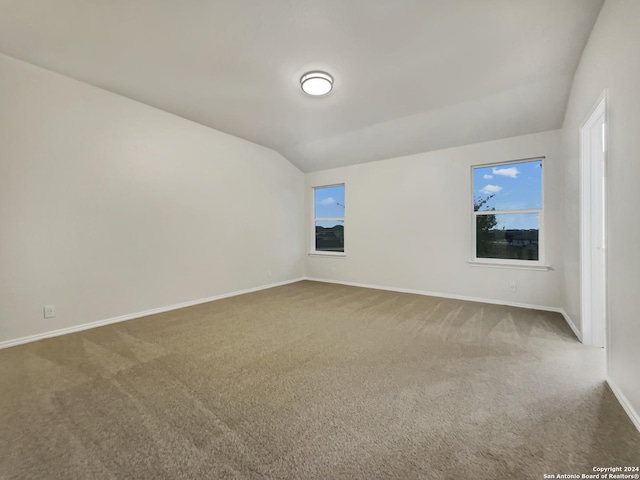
(593, 235)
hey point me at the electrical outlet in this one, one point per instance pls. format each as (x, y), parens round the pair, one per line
(269, 273)
(513, 286)
(49, 311)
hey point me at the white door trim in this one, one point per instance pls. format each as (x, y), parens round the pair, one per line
(593, 229)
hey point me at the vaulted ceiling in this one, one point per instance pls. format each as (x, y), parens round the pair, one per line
(410, 75)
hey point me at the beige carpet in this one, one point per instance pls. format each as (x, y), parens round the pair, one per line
(313, 381)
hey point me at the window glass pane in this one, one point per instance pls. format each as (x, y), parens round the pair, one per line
(330, 236)
(508, 236)
(329, 202)
(515, 186)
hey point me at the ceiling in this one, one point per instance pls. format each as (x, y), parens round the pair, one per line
(410, 75)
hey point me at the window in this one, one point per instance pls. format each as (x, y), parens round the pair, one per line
(507, 212)
(329, 219)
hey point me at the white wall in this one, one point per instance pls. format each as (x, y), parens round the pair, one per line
(408, 223)
(610, 61)
(110, 207)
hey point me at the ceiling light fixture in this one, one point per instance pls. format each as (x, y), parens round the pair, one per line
(316, 83)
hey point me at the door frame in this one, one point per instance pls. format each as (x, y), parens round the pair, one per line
(588, 238)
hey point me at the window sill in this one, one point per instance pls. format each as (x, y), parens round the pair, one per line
(516, 266)
(328, 254)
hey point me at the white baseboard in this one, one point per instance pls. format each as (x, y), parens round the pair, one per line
(131, 316)
(572, 325)
(457, 297)
(633, 415)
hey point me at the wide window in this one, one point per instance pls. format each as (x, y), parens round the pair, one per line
(507, 212)
(328, 219)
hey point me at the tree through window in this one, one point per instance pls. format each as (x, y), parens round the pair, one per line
(507, 210)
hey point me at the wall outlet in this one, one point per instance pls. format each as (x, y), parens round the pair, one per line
(269, 273)
(49, 311)
(513, 286)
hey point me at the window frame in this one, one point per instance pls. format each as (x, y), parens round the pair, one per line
(507, 262)
(314, 219)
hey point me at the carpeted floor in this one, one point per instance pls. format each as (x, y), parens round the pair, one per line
(313, 381)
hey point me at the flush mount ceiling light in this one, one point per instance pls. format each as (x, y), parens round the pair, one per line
(316, 83)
